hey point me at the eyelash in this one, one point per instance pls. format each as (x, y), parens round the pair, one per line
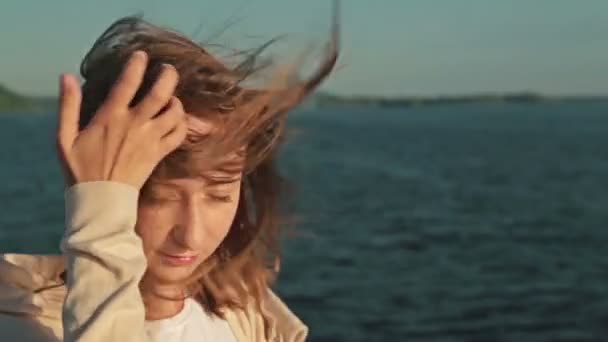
(220, 198)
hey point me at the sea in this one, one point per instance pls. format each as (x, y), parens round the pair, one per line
(468, 222)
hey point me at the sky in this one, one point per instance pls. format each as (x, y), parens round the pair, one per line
(389, 47)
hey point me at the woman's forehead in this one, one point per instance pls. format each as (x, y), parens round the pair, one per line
(227, 170)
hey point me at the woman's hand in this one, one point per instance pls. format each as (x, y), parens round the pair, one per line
(121, 143)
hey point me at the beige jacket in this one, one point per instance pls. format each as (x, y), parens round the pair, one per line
(105, 262)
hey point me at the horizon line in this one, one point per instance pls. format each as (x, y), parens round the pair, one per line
(476, 93)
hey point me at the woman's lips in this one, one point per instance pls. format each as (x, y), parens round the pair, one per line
(179, 260)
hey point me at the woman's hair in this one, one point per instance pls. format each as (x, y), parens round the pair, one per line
(249, 124)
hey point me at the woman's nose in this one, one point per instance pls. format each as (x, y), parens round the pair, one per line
(189, 231)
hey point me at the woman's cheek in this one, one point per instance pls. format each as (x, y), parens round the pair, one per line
(219, 219)
(150, 223)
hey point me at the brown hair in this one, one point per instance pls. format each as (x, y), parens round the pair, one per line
(249, 120)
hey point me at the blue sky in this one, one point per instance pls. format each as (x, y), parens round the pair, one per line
(390, 47)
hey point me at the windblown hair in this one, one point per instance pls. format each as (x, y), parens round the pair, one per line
(250, 122)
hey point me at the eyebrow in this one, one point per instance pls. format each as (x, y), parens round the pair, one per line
(230, 172)
(215, 180)
(207, 181)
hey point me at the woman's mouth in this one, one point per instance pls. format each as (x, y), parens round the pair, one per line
(178, 260)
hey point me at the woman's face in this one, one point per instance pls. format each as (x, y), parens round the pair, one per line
(182, 222)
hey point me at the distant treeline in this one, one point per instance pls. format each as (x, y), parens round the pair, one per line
(11, 101)
(325, 100)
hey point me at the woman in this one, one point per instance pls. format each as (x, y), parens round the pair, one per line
(172, 200)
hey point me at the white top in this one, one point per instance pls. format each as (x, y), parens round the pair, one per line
(192, 324)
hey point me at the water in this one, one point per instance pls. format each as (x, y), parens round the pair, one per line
(461, 223)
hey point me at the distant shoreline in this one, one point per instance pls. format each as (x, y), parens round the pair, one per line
(11, 101)
(329, 100)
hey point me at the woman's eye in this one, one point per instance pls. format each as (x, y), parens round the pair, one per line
(220, 198)
(160, 198)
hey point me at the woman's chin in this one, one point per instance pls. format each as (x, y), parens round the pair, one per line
(168, 277)
(169, 273)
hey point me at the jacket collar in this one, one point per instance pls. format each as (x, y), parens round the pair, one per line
(33, 284)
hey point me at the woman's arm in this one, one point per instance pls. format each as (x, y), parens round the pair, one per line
(105, 165)
(105, 263)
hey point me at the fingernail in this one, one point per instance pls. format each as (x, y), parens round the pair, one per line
(63, 81)
(139, 54)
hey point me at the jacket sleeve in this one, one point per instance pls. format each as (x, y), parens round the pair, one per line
(105, 262)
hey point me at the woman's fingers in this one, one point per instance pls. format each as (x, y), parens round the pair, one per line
(160, 94)
(129, 81)
(128, 142)
(169, 118)
(198, 126)
(171, 126)
(70, 98)
(174, 138)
